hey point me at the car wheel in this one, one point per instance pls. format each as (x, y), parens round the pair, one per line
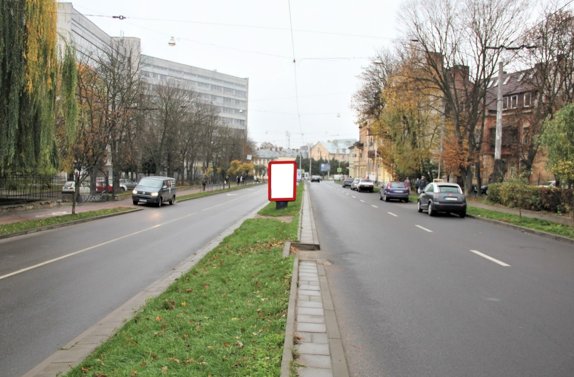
(172, 201)
(386, 198)
(380, 196)
(419, 208)
(430, 210)
(159, 202)
(462, 214)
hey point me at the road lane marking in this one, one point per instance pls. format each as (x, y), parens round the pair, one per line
(362, 201)
(77, 252)
(501, 263)
(423, 228)
(18, 272)
(393, 214)
(353, 196)
(374, 206)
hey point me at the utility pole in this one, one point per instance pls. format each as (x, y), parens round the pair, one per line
(498, 173)
(498, 168)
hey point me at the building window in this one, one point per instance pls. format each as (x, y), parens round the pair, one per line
(527, 99)
(514, 102)
(504, 103)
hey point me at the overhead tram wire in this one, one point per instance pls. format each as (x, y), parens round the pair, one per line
(295, 70)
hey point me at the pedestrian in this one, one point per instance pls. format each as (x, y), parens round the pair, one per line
(417, 184)
(204, 183)
(422, 184)
(237, 180)
(408, 184)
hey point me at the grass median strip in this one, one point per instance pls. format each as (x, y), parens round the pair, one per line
(226, 317)
(530, 223)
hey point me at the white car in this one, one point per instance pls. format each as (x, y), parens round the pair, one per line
(70, 187)
(363, 185)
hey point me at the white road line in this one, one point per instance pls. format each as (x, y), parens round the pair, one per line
(362, 201)
(374, 206)
(393, 214)
(353, 196)
(490, 258)
(423, 228)
(76, 252)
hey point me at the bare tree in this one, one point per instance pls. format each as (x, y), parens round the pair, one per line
(368, 101)
(553, 73)
(118, 68)
(454, 38)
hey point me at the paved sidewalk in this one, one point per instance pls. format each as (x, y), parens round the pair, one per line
(318, 349)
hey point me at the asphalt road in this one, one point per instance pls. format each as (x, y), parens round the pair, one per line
(55, 284)
(443, 296)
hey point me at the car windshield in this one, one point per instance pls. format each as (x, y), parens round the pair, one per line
(366, 180)
(452, 189)
(150, 182)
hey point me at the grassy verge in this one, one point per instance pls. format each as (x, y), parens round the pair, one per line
(535, 224)
(28, 225)
(226, 317)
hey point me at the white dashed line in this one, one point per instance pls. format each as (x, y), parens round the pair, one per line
(353, 196)
(362, 201)
(490, 258)
(393, 214)
(423, 228)
(374, 206)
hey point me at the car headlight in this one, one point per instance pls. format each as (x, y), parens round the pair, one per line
(135, 192)
(154, 194)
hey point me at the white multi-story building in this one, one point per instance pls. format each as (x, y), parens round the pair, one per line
(229, 94)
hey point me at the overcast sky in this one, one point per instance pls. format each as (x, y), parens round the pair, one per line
(330, 40)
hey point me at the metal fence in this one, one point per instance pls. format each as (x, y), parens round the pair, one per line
(29, 188)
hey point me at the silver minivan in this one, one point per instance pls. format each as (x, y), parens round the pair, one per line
(155, 190)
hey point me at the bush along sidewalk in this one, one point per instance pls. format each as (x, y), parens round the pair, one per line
(226, 317)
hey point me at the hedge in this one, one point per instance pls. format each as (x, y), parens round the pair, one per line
(535, 198)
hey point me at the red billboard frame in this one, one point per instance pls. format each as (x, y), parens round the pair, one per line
(282, 182)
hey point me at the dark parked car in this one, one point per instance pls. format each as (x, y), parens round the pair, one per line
(394, 190)
(347, 182)
(155, 190)
(442, 197)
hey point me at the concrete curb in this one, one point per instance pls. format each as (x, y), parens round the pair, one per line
(288, 344)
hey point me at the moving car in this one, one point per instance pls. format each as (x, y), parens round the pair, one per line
(156, 190)
(394, 190)
(315, 178)
(347, 182)
(363, 185)
(442, 197)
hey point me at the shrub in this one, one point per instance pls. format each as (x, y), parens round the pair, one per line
(517, 194)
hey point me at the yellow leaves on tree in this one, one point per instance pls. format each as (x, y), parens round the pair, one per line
(455, 155)
(40, 43)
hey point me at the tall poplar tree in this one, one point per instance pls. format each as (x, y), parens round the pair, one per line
(12, 36)
(35, 146)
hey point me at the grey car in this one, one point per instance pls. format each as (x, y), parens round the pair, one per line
(442, 197)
